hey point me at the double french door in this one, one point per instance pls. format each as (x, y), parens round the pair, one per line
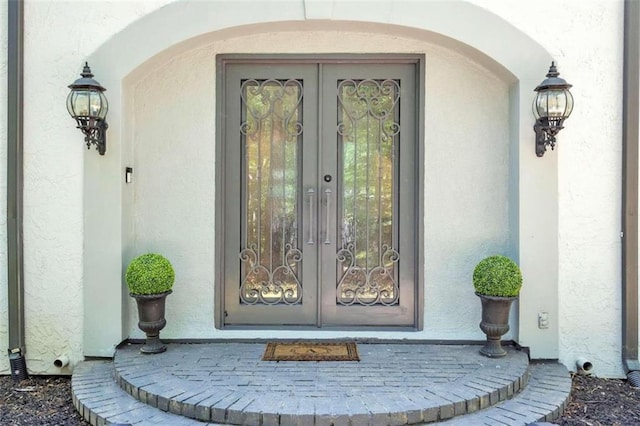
(318, 179)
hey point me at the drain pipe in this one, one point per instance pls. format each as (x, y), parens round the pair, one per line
(15, 67)
(61, 362)
(584, 366)
(630, 135)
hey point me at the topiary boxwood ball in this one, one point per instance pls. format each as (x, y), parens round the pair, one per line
(150, 274)
(497, 276)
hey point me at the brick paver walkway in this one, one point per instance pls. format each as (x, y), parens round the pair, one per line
(392, 384)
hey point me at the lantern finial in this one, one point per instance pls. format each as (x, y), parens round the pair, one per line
(86, 71)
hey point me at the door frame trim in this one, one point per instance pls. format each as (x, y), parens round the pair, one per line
(220, 171)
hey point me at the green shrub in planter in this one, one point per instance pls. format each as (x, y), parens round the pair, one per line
(150, 274)
(497, 276)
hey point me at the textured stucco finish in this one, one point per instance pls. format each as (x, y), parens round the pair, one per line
(589, 167)
(55, 47)
(586, 40)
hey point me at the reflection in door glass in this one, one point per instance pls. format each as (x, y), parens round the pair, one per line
(368, 128)
(271, 128)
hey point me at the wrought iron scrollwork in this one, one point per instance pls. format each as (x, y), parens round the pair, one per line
(270, 287)
(368, 286)
(268, 100)
(376, 99)
(368, 128)
(270, 129)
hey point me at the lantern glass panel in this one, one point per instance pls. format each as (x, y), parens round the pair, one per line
(553, 103)
(98, 105)
(569, 107)
(80, 103)
(538, 106)
(104, 106)
(70, 104)
(556, 103)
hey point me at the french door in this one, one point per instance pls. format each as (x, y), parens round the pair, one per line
(318, 192)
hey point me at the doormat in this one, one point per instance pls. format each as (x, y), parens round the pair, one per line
(306, 351)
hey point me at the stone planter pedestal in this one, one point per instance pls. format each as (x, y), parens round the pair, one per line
(151, 320)
(495, 323)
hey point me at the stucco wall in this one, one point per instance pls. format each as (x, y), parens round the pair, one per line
(55, 46)
(584, 37)
(588, 276)
(174, 169)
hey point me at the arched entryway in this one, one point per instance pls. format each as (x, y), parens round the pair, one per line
(112, 209)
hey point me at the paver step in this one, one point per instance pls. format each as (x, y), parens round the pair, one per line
(392, 385)
(101, 402)
(543, 400)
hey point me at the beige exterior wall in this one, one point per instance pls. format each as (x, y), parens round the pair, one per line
(567, 204)
(586, 39)
(55, 48)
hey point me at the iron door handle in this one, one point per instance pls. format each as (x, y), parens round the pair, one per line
(327, 194)
(311, 193)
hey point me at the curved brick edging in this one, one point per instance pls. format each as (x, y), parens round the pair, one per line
(227, 383)
(100, 401)
(543, 400)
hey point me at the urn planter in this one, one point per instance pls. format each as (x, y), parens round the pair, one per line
(150, 278)
(495, 323)
(497, 281)
(151, 320)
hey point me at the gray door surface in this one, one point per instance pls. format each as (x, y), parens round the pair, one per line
(319, 203)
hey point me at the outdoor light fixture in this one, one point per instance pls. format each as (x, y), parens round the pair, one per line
(87, 104)
(552, 105)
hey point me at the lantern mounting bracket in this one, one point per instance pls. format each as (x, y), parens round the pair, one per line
(95, 134)
(546, 134)
(542, 139)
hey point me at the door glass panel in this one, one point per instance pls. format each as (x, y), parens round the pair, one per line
(271, 130)
(368, 129)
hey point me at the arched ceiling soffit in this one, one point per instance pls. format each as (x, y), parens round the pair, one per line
(457, 25)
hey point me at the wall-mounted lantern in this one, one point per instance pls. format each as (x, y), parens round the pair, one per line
(552, 105)
(87, 104)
